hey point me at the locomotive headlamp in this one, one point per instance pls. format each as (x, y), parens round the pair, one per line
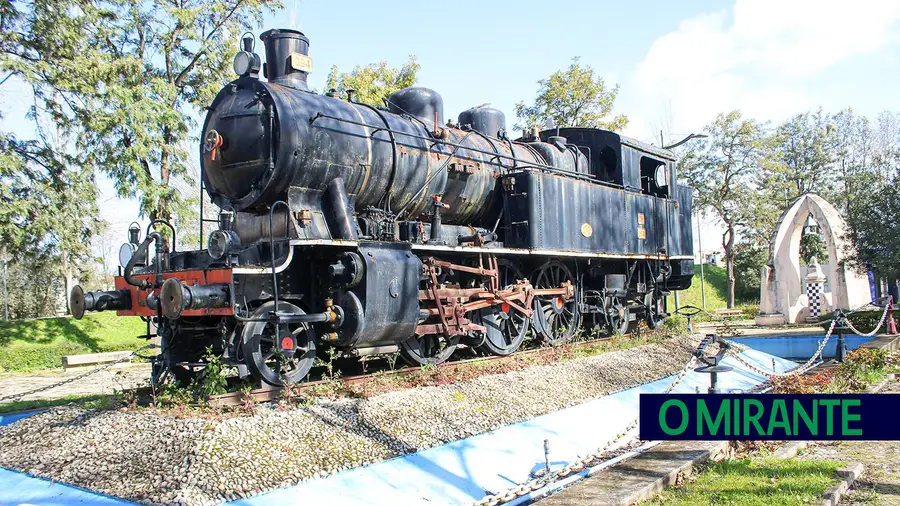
(126, 251)
(246, 62)
(220, 243)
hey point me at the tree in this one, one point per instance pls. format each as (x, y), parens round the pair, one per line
(572, 98)
(724, 169)
(804, 154)
(48, 208)
(126, 80)
(873, 193)
(875, 239)
(853, 153)
(375, 82)
(813, 246)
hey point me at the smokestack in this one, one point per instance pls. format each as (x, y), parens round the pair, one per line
(287, 57)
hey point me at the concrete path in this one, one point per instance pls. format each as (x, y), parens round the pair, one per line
(639, 478)
(747, 328)
(117, 377)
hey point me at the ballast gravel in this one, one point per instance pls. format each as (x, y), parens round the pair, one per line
(154, 458)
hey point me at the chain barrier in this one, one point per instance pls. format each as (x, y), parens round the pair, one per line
(802, 368)
(581, 464)
(814, 359)
(877, 327)
(73, 379)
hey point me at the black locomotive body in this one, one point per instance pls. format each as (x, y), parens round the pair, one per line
(374, 230)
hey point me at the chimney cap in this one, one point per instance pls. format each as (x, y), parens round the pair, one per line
(287, 33)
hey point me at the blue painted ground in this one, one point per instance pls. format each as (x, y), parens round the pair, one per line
(799, 347)
(456, 473)
(8, 419)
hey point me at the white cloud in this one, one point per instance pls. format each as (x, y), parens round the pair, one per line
(762, 57)
(768, 58)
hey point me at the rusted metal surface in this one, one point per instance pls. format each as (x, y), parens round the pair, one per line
(452, 306)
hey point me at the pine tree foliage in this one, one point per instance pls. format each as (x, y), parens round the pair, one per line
(127, 79)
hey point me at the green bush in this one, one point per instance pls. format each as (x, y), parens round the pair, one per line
(675, 324)
(749, 311)
(209, 381)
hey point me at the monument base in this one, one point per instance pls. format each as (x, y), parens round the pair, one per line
(770, 319)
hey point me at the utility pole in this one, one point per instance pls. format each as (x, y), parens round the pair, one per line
(662, 144)
(702, 277)
(5, 294)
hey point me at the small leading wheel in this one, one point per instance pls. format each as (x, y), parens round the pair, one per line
(430, 349)
(618, 316)
(655, 309)
(506, 327)
(555, 318)
(261, 354)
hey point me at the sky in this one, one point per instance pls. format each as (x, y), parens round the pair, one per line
(678, 64)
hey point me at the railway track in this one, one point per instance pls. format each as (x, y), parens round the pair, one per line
(268, 393)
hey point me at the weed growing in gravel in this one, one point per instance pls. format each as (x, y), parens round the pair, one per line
(172, 395)
(248, 405)
(675, 325)
(392, 360)
(329, 366)
(209, 381)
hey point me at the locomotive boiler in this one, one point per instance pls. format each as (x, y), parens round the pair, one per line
(370, 230)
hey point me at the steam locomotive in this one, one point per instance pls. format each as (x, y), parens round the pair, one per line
(374, 230)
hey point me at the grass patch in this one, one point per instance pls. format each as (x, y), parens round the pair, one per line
(31, 345)
(97, 401)
(755, 482)
(716, 288)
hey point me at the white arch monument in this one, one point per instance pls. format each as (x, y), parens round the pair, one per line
(783, 293)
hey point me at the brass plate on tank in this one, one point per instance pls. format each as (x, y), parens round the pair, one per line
(301, 62)
(642, 233)
(587, 230)
(640, 218)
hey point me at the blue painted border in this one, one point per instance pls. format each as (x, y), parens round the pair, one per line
(15, 417)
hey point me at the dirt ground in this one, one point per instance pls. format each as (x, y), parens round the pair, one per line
(118, 377)
(880, 484)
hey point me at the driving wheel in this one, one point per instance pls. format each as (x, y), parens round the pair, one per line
(656, 315)
(429, 349)
(264, 358)
(618, 316)
(555, 318)
(506, 327)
